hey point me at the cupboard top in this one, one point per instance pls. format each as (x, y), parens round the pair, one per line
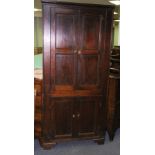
(76, 4)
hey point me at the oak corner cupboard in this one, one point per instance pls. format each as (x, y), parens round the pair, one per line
(77, 42)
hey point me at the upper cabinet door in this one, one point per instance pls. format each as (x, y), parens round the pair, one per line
(89, 53)
(63, 47)
(77, 43)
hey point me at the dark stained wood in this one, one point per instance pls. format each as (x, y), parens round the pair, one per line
(77, 93)
(64, 69)
(65, 31)
(113, 106)
(90, 27)
(89, 52)
(46, 52)
(113, 95)
(87, 114)
(75, 71)
(63, 111)
(64, 47)
(38, 50)
(76, 4)
(88, 70)
(46, 68)
(37, 107)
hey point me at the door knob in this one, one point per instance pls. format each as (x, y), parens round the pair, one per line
(79, 52)
(75, 51)
(78, 115)
(73, 116)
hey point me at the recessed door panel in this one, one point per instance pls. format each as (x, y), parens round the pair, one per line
(63, 116)
(64, 31)
(87, 116)
(64, 69)
(88, 73)
(90, 27)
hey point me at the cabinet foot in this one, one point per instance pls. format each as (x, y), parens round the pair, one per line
(111, 136)
(46, 144)
(99, 141)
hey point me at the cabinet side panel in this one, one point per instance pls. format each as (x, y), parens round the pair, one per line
(105, 59)
(46, 48)
(46, 69)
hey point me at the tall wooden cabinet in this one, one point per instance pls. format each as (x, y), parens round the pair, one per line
(77, 41)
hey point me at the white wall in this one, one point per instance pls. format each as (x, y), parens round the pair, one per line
(116, 34)
(38, 32)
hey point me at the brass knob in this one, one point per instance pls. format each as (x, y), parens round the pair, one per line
(73, 116)
(79, 52)
(78, 115)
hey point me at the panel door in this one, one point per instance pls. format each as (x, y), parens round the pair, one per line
(63, 46)
(61, 115)
(88, 116)
(89, 53)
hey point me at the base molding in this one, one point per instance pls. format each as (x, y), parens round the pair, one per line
(99, 141)
(111, 135)
(46, 144)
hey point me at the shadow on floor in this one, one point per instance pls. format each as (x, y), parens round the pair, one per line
(85, 147)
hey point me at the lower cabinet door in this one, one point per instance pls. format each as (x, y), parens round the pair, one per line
(87, 116)
(62, 114)
(75, 118)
